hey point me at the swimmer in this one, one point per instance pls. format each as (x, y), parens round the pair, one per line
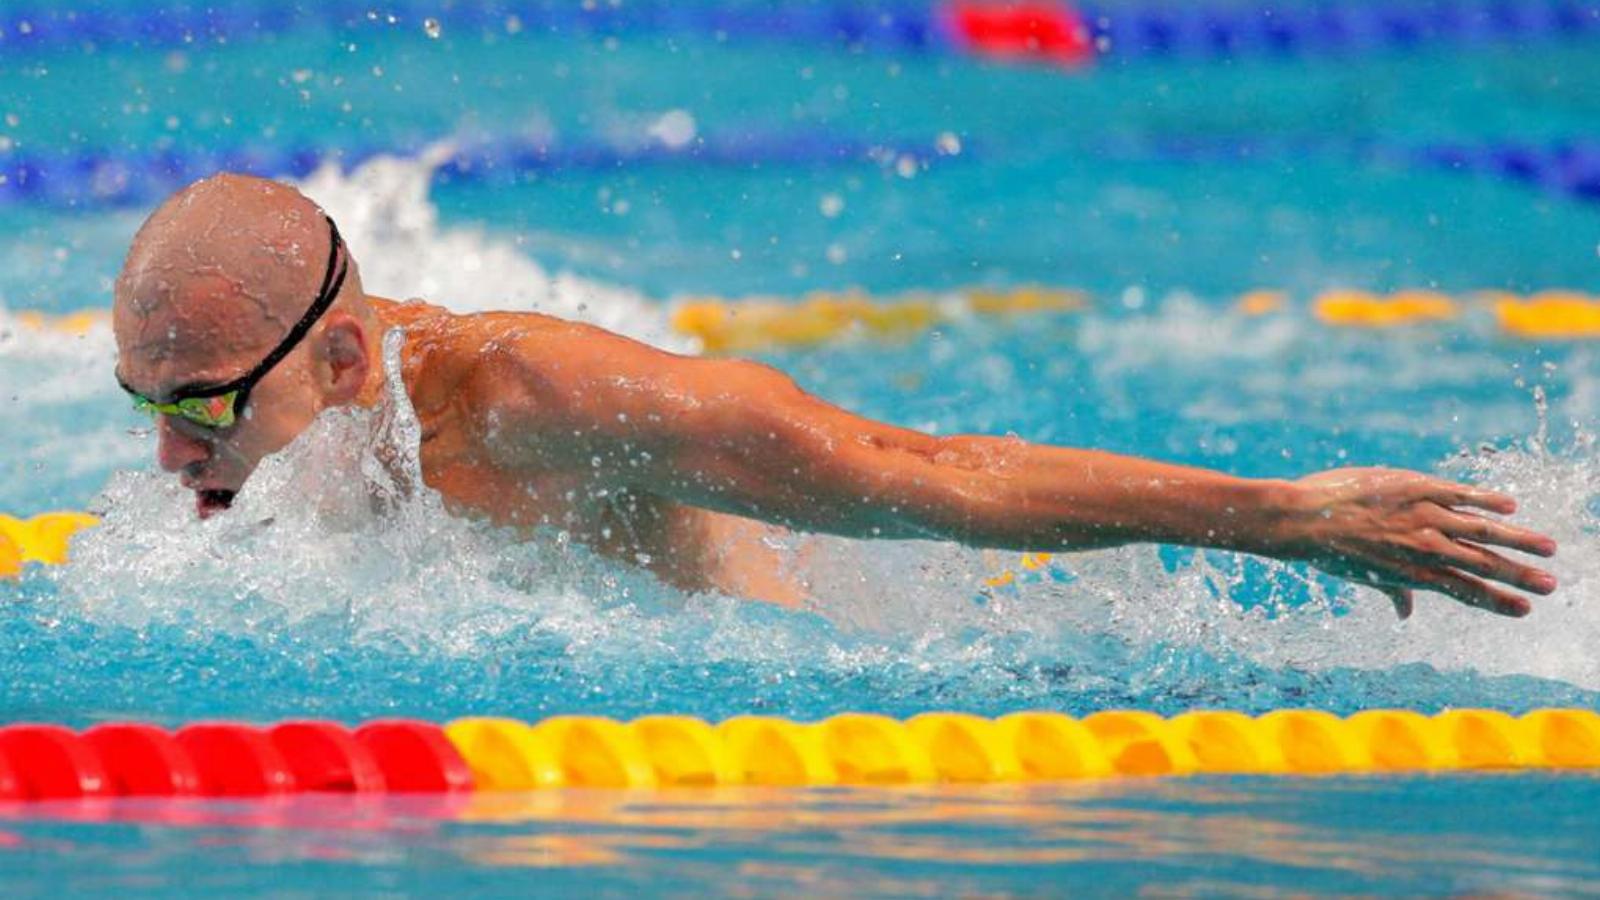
(240, 315)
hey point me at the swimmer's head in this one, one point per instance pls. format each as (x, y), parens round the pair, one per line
(215, 280)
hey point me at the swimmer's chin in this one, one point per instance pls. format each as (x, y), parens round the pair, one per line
(208, 503)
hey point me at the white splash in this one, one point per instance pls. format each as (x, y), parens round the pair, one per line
(337, 531)
(394, 233)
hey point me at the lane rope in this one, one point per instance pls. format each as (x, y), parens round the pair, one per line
(751, 324)
(735, 326)
(486, 754)
(44, 539)
(98, 178)
(1568, 167)
(110, 179)
(1044, 31)
(766, 323)
(1337, 30)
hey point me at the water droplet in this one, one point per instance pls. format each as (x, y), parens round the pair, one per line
(676, 128)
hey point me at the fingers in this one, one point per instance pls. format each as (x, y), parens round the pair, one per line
(1454, 493)
(1488, 564)
(1480, 530)
(1469, 590)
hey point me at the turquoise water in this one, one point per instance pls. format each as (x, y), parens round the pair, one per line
(1032, 176)
(1199, 837)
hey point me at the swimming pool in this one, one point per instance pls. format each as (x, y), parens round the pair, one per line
(891, 171)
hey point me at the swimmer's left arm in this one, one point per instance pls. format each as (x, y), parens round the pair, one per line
(742, 438)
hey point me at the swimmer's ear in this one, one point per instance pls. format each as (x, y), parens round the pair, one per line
(343, 364)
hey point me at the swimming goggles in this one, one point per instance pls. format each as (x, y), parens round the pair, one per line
(221, 405)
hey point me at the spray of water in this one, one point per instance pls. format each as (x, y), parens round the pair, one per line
(384, 212)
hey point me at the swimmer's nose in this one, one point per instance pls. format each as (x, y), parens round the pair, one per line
(175, 450)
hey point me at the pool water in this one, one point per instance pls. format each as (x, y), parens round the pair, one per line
(1192, 837)
(1025, 175)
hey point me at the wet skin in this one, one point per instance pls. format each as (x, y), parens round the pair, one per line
(684, 464)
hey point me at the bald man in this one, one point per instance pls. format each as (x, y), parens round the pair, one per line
(240, 315)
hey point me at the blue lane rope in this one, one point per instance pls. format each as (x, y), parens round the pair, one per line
(896, 24)
(1569, 168)
(1230, 29)
(102, 179)
(1240, 30)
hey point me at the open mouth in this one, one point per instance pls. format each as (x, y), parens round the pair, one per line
(210, 502)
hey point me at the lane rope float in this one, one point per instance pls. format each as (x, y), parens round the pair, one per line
(1362, 308)
(43, 539)
(1550, 315)
(232, 759)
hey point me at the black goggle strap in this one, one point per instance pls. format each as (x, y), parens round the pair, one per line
(332, 281)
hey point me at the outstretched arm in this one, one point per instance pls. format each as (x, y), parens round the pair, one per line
(742, 438)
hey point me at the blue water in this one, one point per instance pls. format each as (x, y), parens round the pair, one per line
(1045, 177)
(1529, 836)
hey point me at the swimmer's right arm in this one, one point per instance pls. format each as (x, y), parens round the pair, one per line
(742, 438)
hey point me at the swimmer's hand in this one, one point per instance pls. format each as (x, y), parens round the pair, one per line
(1401, 531)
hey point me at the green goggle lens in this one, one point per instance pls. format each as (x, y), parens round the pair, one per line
(208, 412)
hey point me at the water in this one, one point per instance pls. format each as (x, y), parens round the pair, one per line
(1199, 837)
(290, 608)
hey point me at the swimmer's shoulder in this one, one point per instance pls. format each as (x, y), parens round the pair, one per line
(451, 358)
(421, 319)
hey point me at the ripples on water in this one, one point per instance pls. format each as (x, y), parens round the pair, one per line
(1206, 837)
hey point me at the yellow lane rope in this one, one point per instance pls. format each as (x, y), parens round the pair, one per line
(43, 538)
(762, 323)
(857, 748)
(1549, 315)
(733, 326)
(1359, 308)
(76, 323)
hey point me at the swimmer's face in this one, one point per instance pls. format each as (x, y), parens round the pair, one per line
(200, 333)
(215, 284)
